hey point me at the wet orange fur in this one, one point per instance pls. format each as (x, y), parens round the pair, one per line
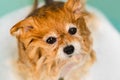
(38, 60)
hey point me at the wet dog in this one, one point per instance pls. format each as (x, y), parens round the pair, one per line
(54, 42)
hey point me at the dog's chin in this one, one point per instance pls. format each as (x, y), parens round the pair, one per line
(75, 62)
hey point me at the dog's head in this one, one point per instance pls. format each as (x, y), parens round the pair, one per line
(54, 37)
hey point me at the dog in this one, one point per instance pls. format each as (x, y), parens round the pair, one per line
(54, 42)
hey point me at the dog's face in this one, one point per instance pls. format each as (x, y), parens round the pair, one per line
(54, 39)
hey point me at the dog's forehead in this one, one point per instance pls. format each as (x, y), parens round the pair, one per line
(52, 24)
(52, 18)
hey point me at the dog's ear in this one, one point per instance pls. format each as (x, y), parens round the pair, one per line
(22, 27)
(76, 7)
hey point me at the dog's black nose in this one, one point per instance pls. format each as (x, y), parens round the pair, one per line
(69, 49)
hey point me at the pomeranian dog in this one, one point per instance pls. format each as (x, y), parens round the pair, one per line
(54, 42)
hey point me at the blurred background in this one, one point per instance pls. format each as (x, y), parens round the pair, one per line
(110, 8)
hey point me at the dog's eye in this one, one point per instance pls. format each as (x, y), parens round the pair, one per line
(72, 30)
(51, 40)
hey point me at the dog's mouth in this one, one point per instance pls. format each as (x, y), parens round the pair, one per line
(76, 61)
